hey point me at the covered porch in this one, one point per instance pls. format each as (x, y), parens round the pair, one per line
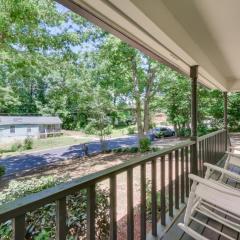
(179, 37)
(218, 231)
(169, 170)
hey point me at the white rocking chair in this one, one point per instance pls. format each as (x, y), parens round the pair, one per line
(223, 173)
(211, 199)
(232, 159)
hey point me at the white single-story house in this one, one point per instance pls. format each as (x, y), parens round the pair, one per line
(19, 127)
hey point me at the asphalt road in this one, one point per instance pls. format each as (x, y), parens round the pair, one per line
(22, 162)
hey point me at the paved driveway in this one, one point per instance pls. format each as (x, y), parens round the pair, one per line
(21, 162)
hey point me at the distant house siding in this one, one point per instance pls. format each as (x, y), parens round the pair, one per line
(19, 131)
(11, 133)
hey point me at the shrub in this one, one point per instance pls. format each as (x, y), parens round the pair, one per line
(131, 130)
(2, 171)
(5, 150)
(16, 146)
(126, 150)
(134, 149)
(159, 134)
(184, 132)
(118, 150)
(40, 224)
(28, 143)
(144, 144)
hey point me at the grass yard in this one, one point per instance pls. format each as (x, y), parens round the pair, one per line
(68, 138)
(59, 141)
(120, 131)
(48, 143)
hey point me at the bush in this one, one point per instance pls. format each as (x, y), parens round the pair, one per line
(16, 146)
(144, 144)
(126, 150)
(40, 224)
(159, 134)
(134, 149)
(28, 143)
(118, 150)
(184, 132)
(2, 171)
(5, 151)
(131, 130)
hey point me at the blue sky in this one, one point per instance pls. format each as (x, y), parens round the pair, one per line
(88, 46)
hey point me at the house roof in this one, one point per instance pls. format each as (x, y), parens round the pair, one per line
(15, 120)
(183, 33)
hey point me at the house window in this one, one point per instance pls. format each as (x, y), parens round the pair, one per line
(29, 129)
(12, 129)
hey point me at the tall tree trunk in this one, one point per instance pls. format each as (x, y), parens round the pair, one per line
(137, 97)
(139, 119)
(146, 115)
(147, 97)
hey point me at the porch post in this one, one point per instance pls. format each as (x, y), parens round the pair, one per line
(194, 76)
(225, 96)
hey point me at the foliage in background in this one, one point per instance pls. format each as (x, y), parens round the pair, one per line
(55, 62)
(234, 112)
(41, 222)
(131, 130)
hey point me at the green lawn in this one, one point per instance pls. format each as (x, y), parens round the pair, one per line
(48, 143)
(53, 142)
(120, 131)
(58, 142)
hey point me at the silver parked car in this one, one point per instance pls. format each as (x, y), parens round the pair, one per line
(163, 131)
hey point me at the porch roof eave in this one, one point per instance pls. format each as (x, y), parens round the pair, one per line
(158, 27)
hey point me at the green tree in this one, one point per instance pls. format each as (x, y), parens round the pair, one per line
(132, 77)
(176, 100)
(8, 102)
(99, 111)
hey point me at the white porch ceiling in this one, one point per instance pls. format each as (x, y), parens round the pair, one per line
(183, 32)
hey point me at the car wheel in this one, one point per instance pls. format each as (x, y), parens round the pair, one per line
(173, 134)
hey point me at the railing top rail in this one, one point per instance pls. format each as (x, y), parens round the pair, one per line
(36, 200)
(210, 135)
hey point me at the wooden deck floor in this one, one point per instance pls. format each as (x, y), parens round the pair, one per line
(175, 233)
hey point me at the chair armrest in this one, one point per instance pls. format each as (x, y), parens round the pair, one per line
(237, 155)
(223, 171)
(234, 147)
(215, 185)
